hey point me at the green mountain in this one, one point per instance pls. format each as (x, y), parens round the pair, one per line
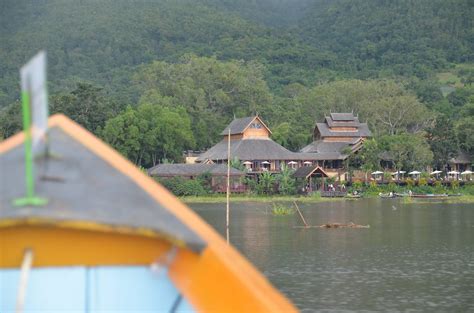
(208, 60)
(392, 37)
(102, 41)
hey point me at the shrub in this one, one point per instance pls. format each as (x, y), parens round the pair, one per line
(280, 210)
(438, 187)
(286, 183)
(392, 187)
(266, 184)
(423, 189)
(206, 181)
(469, 189)
(184, 187)
(373, 186)
(422, 182)
(454, 185)
(357, 185)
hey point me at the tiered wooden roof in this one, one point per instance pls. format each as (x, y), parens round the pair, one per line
(338, 132)
(240, 125)
(345, 126)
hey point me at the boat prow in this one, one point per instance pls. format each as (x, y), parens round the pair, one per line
(112, 239)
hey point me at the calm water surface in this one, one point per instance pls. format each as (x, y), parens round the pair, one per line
(414, 257)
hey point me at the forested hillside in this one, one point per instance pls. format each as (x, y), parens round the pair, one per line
(392, 37)
(115, 63)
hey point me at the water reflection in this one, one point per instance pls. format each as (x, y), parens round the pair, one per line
(418, 257)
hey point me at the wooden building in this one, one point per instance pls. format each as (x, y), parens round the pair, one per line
(217, 173)
(461, 162)
(338, 133)
(250, 142)
(312, 177)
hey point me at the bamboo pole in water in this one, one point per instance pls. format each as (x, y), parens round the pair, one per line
(228, 187)
(301, 215)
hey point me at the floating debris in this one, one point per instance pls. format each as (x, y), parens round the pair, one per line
(339, 225)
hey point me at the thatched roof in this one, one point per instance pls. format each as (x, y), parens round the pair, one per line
(461, 158)
(307, 171)
(248, 149)
(239, 125)
(320, 146)
(333, 123)
(171, 170)
(343, 116)
(330, 150)
(362, 131)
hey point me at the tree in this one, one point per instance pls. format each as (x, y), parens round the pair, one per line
(460, 96)
(464, 129)
(211, 91)
(442, 140)
(150, 133)
(166, 132)
(409, 151)
(386, 105)
(237, 164)
(10, 120)
(266, 183)
(286, 183)
(281, 133)
(86, 105)
(123, 133)
(368, 156)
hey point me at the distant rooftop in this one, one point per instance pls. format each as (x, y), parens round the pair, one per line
(192, 170)
(248, 149)
(343, 116)
(362, 131)
(239, 125)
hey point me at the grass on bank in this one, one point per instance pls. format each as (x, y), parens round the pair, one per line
(219, 198)
(269, 199)
(456, 200)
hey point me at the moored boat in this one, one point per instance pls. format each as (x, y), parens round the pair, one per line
(353, 196)
(405, 194)
(111, 239)
(387, 195)
(430, 195)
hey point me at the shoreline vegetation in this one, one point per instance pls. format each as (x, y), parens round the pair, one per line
(463, 198)
(257, 198)
(457, 194)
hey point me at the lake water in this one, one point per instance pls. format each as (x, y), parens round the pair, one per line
(414, 257)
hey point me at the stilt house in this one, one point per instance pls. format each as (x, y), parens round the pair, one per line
(250, 142)
(331, 139)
